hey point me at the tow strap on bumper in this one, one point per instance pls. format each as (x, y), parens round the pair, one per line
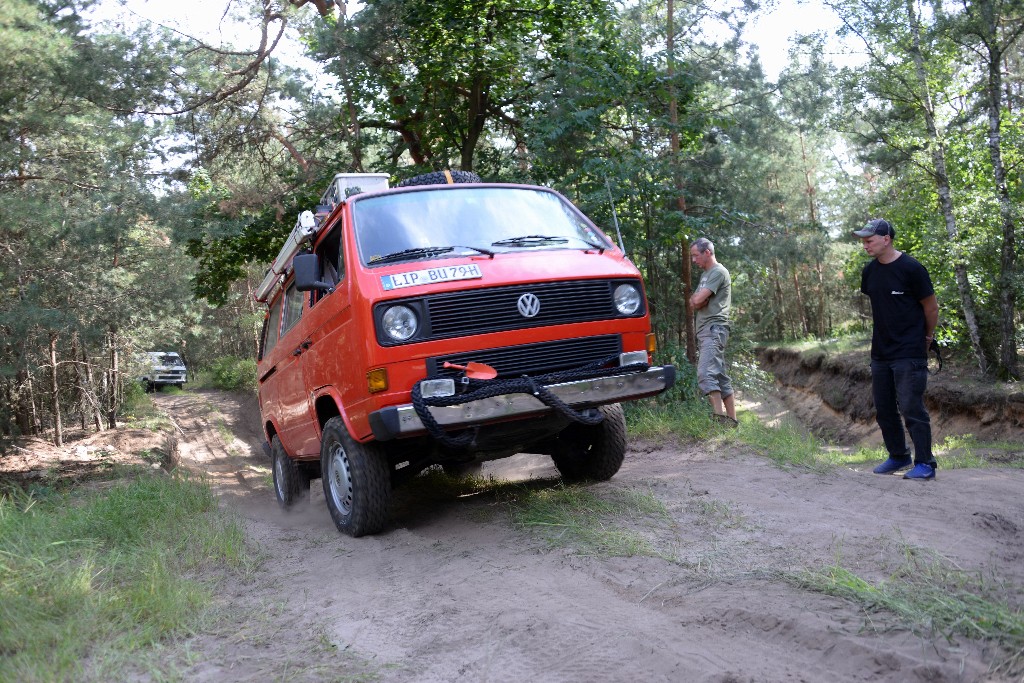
(486, 401)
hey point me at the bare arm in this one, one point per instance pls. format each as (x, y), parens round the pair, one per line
(931, 316)
(700, 298)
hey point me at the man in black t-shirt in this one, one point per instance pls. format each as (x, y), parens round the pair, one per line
(905, 313)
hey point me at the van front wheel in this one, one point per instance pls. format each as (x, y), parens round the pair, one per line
(357, 484)
(592, 452)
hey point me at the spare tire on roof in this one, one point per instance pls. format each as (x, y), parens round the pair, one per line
(441, 178)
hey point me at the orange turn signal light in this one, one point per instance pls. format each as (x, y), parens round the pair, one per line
(377, 380)
(652, 343)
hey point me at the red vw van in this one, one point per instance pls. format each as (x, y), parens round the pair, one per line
(446, 322)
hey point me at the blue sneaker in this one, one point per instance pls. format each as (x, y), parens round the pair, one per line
(893, 465)
(921, 471)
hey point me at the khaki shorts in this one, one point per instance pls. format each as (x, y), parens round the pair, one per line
(711, 360)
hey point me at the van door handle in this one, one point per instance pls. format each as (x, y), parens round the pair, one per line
(302, 347)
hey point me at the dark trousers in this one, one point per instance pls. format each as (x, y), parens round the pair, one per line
(898, 387)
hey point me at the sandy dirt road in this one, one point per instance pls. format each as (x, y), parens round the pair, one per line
(453, 591)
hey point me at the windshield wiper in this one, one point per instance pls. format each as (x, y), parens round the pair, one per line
(479, 250)
(590, 244)
(529, 241)
(538, 240)
(425, 252)
(410, 254)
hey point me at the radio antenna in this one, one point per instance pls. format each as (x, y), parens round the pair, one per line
(615, 218)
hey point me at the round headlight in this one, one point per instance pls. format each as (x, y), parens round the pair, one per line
(399, 323)
(627, 299)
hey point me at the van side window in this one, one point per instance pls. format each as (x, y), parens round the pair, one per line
(292, 308)
(332, 265)
(271, 326)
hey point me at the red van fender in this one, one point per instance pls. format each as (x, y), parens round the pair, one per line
(322, 394)
(269, 428)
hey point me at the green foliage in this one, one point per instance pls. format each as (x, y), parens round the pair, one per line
(234, 374)
(135, 400)
(99, 574)
(127, 231)
(588, 522)
(921, 119)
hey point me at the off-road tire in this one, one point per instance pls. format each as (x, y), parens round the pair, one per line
(439, 178)
(357, 482)
(592, 452)
(291, 480)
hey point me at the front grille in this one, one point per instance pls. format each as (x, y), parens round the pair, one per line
(532, 359)
(490, 310)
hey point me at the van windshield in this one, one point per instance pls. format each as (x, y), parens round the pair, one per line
(453, 221)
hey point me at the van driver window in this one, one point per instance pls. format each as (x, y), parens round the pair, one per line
(292, 308)
(271, 327)
(332, 266)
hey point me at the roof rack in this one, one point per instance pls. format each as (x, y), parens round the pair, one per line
(305, 228)
(342, 186)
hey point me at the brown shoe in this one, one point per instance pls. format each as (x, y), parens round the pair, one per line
(726, 420)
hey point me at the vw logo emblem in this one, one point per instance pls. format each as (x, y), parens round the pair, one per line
(528, 305)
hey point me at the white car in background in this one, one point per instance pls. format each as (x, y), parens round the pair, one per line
(163, 367)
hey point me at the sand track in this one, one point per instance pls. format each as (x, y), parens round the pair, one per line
(452, 591)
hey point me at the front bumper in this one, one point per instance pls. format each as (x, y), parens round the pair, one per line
(398, 421)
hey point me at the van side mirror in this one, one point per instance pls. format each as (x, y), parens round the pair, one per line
(307, 272)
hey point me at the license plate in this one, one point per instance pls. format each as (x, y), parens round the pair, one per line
(431, 276)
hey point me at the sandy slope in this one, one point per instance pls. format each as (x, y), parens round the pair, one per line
(451, 591)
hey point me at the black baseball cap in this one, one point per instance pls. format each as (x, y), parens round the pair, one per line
(878, 226)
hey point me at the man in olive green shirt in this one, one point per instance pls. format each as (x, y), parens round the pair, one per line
(712, 301)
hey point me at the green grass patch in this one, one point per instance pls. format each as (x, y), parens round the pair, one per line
(787, 445)
(829, 347)
(139, 412)
(791, 445)
(691, 421)
(931, 596)
(581, 518)
(966, 452)
(588, 522)
(656, 421)
(92, 577)
(715, 513)
(954, 452)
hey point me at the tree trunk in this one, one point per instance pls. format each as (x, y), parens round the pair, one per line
(823, 328)
(780, 301)
(812, 211)
(25, 411)
(479, 100)
(673, 115)
(58, 425)
(942, 186)
(97, 415)
(801, 310)
(1008, 368)
(79, 381)
(113, 381)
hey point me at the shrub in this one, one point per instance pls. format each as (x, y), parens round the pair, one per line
(234, 374)
(135, 402)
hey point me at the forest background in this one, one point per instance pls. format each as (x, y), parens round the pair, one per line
(148, 177)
